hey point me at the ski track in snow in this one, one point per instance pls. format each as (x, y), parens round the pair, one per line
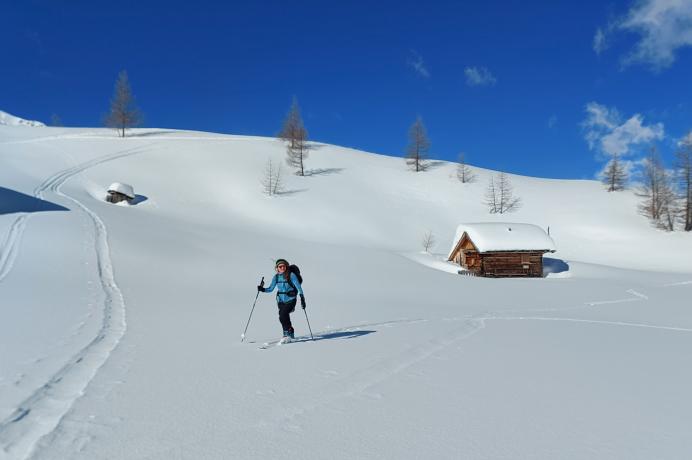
(358, 383)
(41, 413)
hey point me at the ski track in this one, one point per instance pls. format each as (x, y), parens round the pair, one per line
(358, 383)
(41, 413)
(265, 345)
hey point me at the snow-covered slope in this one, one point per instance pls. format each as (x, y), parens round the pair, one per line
(10, 120)
(120, 327)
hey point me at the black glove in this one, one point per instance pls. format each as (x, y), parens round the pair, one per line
(302, 301)
(260, 288)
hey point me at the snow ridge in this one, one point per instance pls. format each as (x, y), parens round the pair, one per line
(11, 120)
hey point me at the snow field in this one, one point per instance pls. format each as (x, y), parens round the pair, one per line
(411, 360)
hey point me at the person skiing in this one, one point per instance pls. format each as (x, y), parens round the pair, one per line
(286, 296)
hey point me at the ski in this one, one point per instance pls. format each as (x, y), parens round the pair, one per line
(282, 341)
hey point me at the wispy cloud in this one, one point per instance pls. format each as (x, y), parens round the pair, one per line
(552, 121)
(416, 62)
(479, 76)
(608, 134)
(663, 26)
(600, 42)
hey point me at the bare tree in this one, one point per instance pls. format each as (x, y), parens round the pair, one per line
(614, 176)
(295, 135)
(418, 147)
(123, 113)
(55, 120)
(683, 165)
(428, 241)
(659, 200)
(464, 172)
(499, 196)
(272, 183)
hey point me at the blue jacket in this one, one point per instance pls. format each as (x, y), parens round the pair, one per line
(285, 288)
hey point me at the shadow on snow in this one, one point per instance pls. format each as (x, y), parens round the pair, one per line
(342, 335)
(12, 201)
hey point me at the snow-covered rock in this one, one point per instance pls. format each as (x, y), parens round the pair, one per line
(123, 189)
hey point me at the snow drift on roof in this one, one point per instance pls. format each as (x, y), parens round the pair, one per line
(505, 236)
(11, 120)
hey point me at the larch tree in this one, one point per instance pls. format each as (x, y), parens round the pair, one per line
(658, 197)
(124, 113)
(295, 135)
(464, 172)
(615, 176)
(499, 196)
(418, 147)
(428, 241)
(683, 166)
(272, 183)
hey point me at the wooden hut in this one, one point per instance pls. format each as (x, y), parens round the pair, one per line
(118, 192)
(501, 249)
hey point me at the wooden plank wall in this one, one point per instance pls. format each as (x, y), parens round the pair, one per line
(528, 264)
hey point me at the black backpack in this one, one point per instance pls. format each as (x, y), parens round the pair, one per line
(294, 269)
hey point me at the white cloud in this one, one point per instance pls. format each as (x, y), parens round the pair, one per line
(685, 140)
(663, 27)
(479, 76)
(606, 133)
(417, 63)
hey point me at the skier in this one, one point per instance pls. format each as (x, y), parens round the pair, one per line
(288, 289)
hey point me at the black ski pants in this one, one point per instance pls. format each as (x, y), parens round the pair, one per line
(285, 310)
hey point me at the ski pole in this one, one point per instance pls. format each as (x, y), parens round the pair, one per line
(242, 337)
(306, 319)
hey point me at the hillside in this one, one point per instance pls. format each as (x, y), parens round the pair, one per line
(7, 119)
(120, 335)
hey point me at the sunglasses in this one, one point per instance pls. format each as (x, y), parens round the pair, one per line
(282, 266)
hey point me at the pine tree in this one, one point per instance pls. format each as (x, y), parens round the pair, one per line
(419, 144)
(123, 113)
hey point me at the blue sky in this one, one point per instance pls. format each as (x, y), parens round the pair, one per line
(543, 88)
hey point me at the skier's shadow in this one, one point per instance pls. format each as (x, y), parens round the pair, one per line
(342, 335)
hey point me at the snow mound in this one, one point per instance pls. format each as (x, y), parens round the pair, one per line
(10, 120)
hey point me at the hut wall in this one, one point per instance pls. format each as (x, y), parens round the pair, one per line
(499, 264)
(471, 260)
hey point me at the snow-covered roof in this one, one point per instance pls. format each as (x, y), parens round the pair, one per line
(11, 120)
(124, 189)
(505, 236)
